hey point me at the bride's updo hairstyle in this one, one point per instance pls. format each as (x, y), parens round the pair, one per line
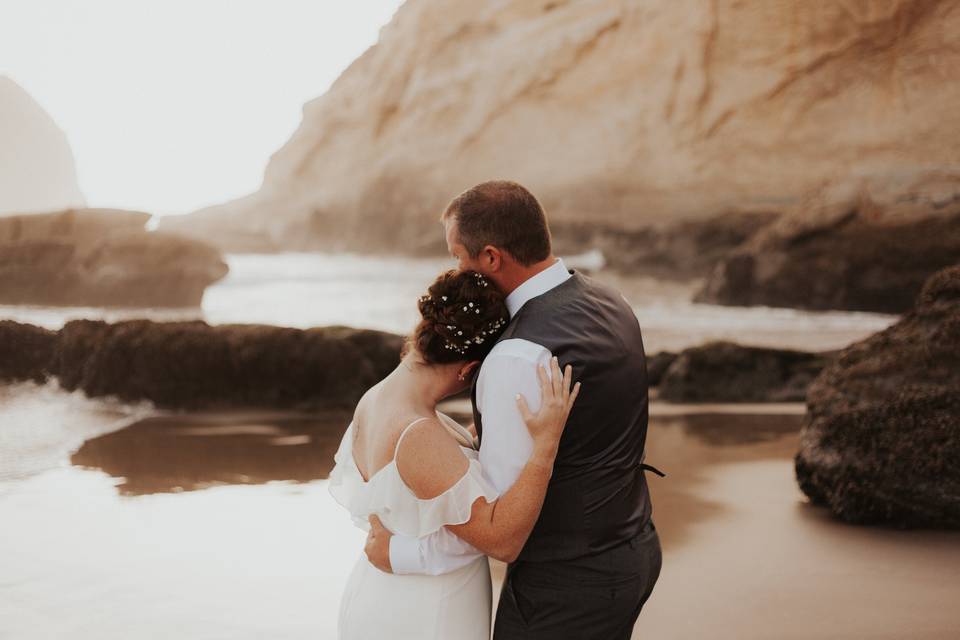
(462, 315)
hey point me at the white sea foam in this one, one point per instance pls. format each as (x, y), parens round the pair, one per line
(41, 425)
(315, 289)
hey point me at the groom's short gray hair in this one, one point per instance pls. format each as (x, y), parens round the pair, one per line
(503, 214)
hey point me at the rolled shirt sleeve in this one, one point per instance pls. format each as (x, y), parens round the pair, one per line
(506, 445)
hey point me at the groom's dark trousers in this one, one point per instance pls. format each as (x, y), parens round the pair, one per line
(593, 556)
(596, 596)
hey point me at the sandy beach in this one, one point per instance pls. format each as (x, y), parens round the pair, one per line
(220, 526)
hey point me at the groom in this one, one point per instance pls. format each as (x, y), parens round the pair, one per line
(593, 556)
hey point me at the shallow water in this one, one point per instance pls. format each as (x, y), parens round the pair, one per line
(314, 289)
(220, 526)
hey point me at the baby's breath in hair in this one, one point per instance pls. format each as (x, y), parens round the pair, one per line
(462, 317)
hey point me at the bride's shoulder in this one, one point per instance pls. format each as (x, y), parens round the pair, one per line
(429, 459)
(370, 395)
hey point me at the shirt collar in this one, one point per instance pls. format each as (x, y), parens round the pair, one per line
(537, 285)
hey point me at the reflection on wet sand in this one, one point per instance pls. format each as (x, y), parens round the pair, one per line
(186, 453)
(688, 447)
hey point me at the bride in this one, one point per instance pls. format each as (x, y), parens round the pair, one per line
(417, 470)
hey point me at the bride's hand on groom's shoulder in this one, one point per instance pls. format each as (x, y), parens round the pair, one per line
(377, 547)
(557, 398)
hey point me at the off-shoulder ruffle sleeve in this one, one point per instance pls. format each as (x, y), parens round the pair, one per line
(400, 510)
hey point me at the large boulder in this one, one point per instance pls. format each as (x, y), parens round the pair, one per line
(863, 246)
(881, 440)
(102, 257)
(728, 372)
(193, 365)
(37, 168)
(621, 113)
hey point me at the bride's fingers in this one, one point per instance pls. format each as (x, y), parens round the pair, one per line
(567, 379)
(556, 377)
(524, 409)
(573, 396)
(544, 382)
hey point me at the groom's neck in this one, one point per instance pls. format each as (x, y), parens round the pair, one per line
(515, 274)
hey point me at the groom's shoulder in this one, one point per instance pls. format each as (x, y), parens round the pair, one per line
(595, 286)
(596, 290)
(518, 348)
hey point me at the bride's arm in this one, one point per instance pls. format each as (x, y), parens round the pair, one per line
(430, 463)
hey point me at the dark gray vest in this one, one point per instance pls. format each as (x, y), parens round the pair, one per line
(597, 497)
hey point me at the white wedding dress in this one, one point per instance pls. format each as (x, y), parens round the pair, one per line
(377, 605)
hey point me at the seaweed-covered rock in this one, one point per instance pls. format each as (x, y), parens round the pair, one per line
(728, 372)
(881, 440)
(657, 365)
(27, 352)
(193, 365)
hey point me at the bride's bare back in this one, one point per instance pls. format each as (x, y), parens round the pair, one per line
(379, 419)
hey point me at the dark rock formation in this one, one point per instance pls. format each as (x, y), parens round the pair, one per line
(192, 365)
(101, 257)
(682, 250)
(657, 365)
(881, 441)
(727, 372)
(27, 352)
(859, 256)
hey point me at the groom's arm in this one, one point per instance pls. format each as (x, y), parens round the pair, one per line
(511, 368)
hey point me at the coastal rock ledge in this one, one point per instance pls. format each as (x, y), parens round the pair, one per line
(728, 372)
(192, 365)
(881, 440)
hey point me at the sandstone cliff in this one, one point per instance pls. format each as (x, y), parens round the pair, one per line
(37, 171)
(617, 112)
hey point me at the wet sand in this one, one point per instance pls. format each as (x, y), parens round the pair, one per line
(746, 556)
(220, 526)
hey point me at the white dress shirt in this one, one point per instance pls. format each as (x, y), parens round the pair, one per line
(506, 445)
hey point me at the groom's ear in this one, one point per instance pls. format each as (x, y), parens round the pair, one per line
(492, 258)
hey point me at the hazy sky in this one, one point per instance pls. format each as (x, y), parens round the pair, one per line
(171, 105)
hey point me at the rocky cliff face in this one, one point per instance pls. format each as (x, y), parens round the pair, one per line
(617, 112)
(37, 171)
